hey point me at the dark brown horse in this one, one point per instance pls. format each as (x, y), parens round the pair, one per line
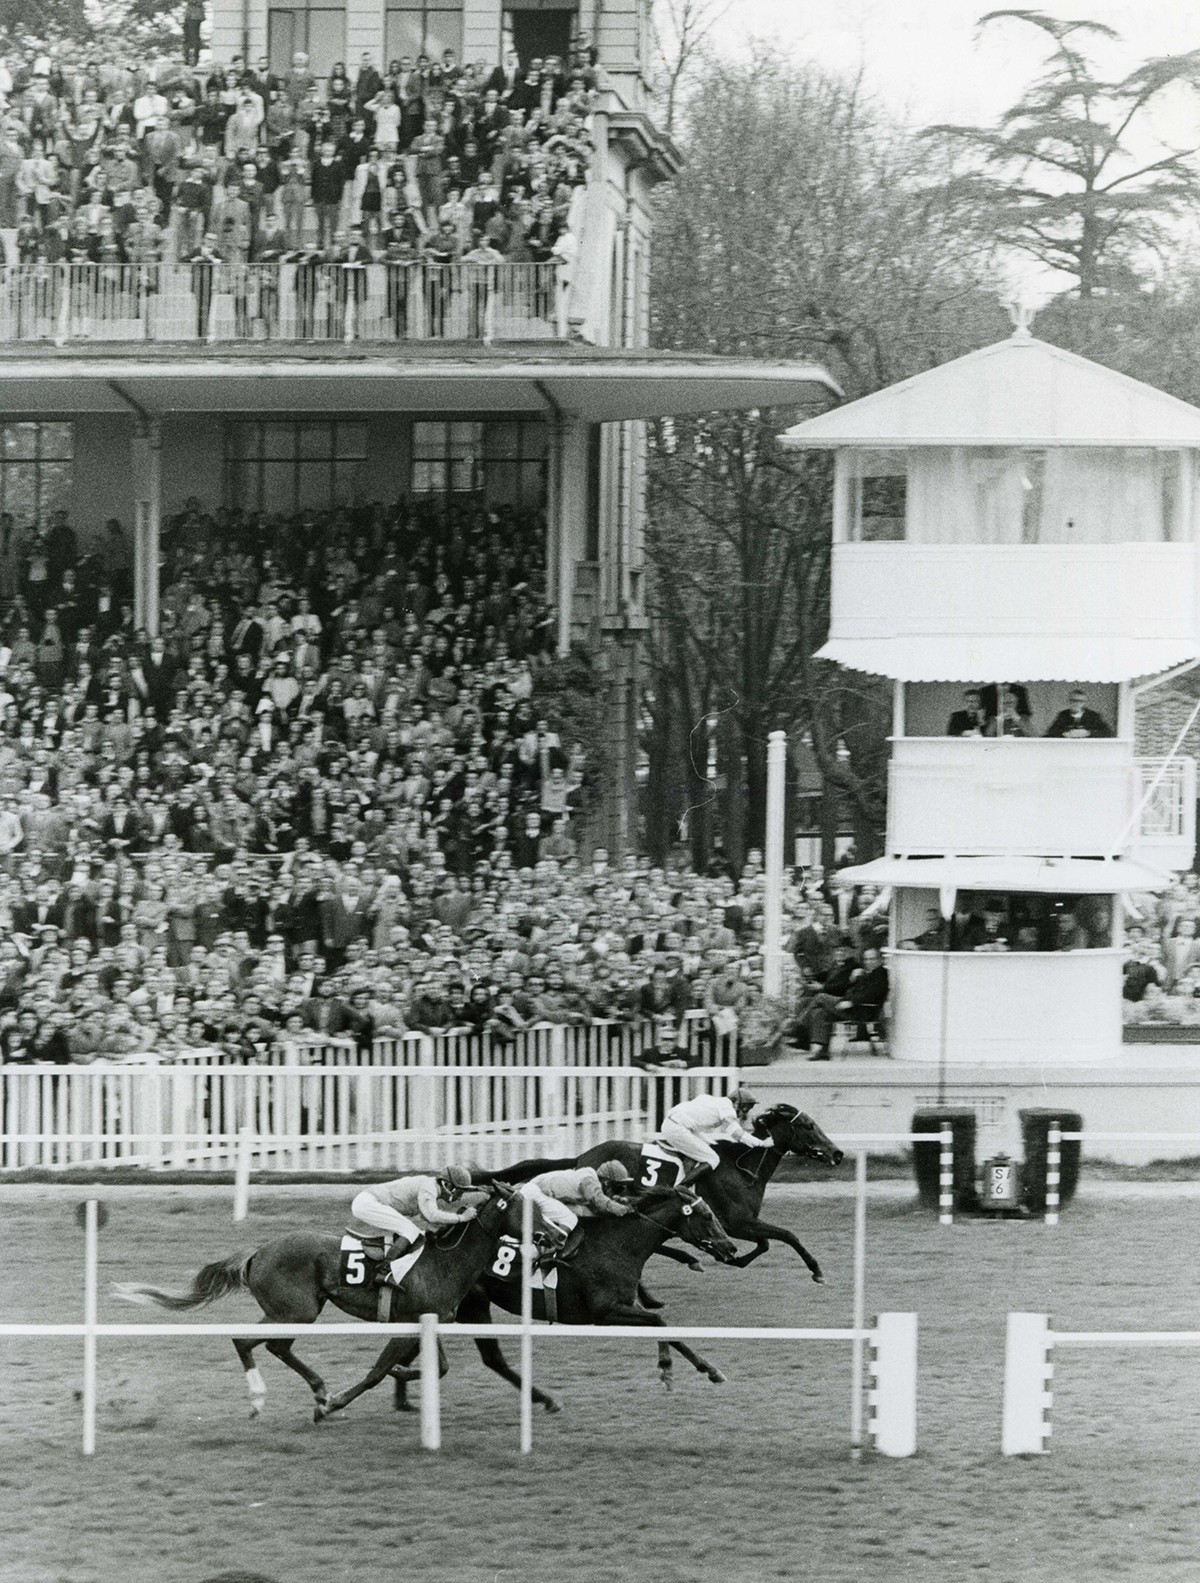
(293, 1278)
(598, 1286)
(735, 1188)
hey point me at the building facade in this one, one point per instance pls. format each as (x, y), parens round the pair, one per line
(1015, 547)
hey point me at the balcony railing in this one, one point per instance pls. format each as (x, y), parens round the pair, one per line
(220, 302)
(1038, 796)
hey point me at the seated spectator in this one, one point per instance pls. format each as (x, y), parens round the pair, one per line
(970, 720)
(1076, 720)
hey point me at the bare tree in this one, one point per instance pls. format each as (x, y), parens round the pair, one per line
(682, 28)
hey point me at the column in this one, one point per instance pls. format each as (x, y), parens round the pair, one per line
(571, 475)
(147, 484)
(773, 874)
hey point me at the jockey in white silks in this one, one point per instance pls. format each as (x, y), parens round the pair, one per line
(694, 1126)
(413, 1205)
(567, 1197)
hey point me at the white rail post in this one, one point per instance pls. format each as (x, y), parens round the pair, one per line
(91, 1285)
(773, 872)
(1027, 1371)
(241, 1173)
(527, 1324)
(946, 1177)
(553, 1093)
(431, 1385)
(1053, 1171)
(860, 1303)
(893, 1394)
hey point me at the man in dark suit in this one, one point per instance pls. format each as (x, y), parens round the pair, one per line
(366, 85)
(505, 79)
(246, 637)
(866, 995)
(1078, 721)
(969, 721)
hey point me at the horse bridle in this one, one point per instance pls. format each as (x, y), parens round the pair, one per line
(689, 1207)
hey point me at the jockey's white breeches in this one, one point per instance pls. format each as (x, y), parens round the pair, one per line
(690, 1144)
(555, 1214)
(383, 1217)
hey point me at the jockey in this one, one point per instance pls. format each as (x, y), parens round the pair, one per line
(411, 1206)
(567, 1197)
(691, 1128)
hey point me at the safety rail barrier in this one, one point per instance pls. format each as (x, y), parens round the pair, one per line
(328, 1118)
(892, 1340)
(217, 302)
(1028, 1370)
(1055, 1138)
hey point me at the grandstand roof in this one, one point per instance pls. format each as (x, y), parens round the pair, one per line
(1019, 392)
(595, 384)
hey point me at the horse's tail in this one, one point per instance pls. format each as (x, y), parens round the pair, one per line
(213, 1281)
(524, 1172)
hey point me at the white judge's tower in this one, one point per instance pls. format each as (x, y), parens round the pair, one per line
(1019, 519)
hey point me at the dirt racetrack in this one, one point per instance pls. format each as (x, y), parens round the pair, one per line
(740, 1482)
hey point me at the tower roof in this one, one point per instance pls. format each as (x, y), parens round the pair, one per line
(1019, 392)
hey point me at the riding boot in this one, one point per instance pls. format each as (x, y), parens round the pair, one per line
(385, 1274)
(568, 1249)
(694, 1172)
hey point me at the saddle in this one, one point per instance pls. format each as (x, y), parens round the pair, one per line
(660, 1167)
(363, 1260)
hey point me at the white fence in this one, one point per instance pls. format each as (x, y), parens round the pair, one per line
(1028, 1370)
(281, 302)
(328, 1118)
(891, 1341)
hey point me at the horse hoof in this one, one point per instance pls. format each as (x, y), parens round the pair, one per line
(716, 1376)
(818, 1279)
(255, 1411)
(406, 1407)
(667, 1381)
(320, 1413)
(552, 1405)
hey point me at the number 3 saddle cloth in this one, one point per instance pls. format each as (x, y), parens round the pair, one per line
(659, 1167)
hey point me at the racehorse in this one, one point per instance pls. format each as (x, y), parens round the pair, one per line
(735, 1188)
(597, 1286)
(293, 1277)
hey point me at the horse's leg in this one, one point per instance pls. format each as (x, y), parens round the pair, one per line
(383, 1365)
(631, 1314)
(647, 1299)
(255, 1384)
(765, 1233)
(680, 1256)
(495, 1360)
(402, 1374)
(476, 1310)
(281, 1348)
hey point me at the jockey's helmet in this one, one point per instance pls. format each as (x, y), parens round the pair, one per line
(456, 1176)
(743, 1101)
(613, 1171)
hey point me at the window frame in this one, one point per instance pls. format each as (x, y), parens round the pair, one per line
(41, 458)
(336, 455)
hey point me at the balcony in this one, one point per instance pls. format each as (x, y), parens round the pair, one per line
(98, 303)
(1087, 612)
(1038, 797)
(1005, 1008)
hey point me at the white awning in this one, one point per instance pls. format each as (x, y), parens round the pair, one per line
(1063, 876)
(1033, 658)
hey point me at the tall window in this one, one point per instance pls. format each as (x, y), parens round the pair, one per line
(423, 27)
(306, 466)
(505, 462)
(36, 469)
(318, 29)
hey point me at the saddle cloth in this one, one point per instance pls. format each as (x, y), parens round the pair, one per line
(506, 1266)
(660, 1167)
(360, 1255)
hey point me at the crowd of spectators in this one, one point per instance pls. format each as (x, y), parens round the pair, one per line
(1162, 963)
(123, 161)
(326, 802)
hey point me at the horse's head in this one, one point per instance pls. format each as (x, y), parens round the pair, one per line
(792, 1131)
(693, 1220)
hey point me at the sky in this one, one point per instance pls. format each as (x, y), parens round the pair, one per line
(928, 62)
(925, 59)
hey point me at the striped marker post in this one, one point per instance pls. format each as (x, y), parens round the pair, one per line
(1053, 1171)
(946, 1178)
